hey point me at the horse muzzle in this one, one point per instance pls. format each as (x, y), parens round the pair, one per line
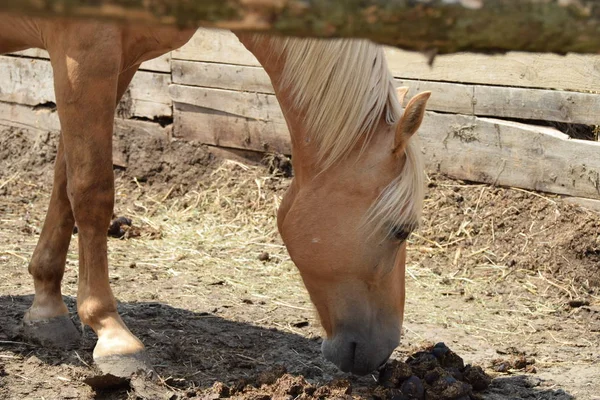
(357, 356)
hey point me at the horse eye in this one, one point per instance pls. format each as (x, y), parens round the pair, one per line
(401, 233)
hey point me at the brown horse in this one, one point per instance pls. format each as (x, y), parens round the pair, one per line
(356, 195)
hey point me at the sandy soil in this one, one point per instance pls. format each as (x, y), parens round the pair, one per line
(508, 279)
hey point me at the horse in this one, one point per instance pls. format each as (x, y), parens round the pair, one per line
(356, 195)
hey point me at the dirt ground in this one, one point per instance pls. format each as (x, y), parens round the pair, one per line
(508, 279)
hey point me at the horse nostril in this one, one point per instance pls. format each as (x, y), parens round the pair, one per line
(360, 357)
(353, 346)
(348, 357)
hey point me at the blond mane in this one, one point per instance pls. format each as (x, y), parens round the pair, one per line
(344, 88)
(400, 204)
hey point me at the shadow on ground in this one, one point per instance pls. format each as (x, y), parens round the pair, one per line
(189, 350)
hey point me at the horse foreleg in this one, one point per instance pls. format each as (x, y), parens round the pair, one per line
(48, 318)
(86, 75)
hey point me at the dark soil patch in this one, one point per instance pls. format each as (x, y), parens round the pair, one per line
(162, 164)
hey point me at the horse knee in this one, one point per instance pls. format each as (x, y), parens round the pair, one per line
(46, 268)
(92, 199)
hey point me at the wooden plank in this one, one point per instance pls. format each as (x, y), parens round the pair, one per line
(549, 105)
(159, 64)
(28, 117)
(511, 154)
(549, 71)
(46, 119)
(147, 128)
(588, 204)
(497, 101)
(26, 81)
(29, 82)
(262, 107)
(32, 53)
(226, 130)
(222, 76)
(148, 95)
(23, 116)
(478, 149)
(464, 147)
(245, 156)
(447, 97)
(512, 69)
(505, 102)
(216, 46)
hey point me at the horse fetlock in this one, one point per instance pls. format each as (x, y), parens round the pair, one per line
(47, 302)
(39, 312)
(97, 312)
(114, 339)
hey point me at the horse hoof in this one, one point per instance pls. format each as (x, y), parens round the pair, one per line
(124, 365)
(57, 332)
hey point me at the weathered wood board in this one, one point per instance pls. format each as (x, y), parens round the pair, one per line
(258, 106)
(28, 117)
(465, 147)
(549, 71)
(26, 81)
(220, 95)
(29, 82)
(510, 154)
(497, 101)
(588, 204)
(222, 76)
(23, 116)
(148, 96)
(508, 102)
(158, 64)
(218, 128)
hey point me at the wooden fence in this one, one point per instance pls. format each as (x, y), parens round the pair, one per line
(215, 92)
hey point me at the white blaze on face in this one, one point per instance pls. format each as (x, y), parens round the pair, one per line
(316, 240)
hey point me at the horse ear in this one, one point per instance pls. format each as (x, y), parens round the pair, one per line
(410, 121)
(401, 92)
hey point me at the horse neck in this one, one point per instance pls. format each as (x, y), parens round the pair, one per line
(303, 149)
